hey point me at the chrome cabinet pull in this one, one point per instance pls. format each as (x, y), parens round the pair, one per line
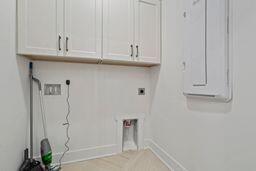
(137, 55)
(59, 40)
(131, 50)
(67, 43)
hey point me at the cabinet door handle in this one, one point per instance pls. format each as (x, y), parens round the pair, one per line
(59, 43)
(67, 43)
(137, 55)
(131, 50)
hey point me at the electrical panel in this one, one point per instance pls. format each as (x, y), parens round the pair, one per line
(206, 49)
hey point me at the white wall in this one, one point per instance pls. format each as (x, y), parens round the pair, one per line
(97, 94)
(14, 93)
(201, 135)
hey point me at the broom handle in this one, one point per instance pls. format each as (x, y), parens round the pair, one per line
(31, 108)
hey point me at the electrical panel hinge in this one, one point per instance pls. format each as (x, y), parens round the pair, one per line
(228, 77)
(228, 25)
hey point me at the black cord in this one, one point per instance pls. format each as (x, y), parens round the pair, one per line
(67, 124)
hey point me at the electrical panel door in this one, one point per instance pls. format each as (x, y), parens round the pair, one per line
(206, 44)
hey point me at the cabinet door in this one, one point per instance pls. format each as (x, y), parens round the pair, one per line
(118, 29)
(83, 28)
(40, 27)
(148, 27)
(195, 42)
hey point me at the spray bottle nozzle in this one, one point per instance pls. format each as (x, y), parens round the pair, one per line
(30, 65)
(68, 82)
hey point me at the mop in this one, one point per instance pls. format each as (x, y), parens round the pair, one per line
(46, 151)
(30, 164)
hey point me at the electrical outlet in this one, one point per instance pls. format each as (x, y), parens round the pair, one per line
(141, 91)
(52, 89)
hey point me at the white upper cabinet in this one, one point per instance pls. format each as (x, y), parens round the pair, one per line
(148, 30)
(40, 27)
(118, 29)
(100, 31)
(83, 25)
(131, 30)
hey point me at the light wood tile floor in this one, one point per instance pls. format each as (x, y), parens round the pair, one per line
(143, 160)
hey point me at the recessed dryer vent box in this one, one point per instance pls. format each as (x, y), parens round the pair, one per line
(130, 137)
(206, 49)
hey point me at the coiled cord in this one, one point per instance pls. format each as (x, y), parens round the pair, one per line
(67, 124)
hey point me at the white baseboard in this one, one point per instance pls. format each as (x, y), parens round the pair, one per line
(86, 154)
(168, 160)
